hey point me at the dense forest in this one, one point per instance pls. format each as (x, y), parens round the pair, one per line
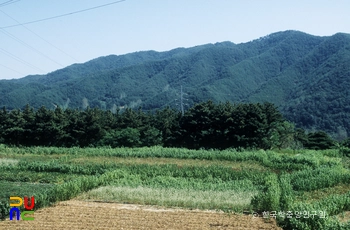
(206, 125)
(305, 76)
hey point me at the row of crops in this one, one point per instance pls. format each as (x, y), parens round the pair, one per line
(281, 183)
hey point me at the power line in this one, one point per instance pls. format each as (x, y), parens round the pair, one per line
(39, 36)
(20, 60)
(29, 46)
(63, 15)
(8, 2)
(11, 69)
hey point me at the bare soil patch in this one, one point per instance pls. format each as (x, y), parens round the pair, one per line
(98, 215)
(344, 217)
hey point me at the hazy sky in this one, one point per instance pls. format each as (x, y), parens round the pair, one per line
(137, 25)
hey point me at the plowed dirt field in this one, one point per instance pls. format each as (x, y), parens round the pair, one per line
(96, 215)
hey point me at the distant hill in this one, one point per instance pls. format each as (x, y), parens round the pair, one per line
(306, 76)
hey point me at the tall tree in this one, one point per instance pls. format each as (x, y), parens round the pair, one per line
(319, 140)
(196, 126)
(167, 122)
(45, 132)
(28, 115)
(13, 127)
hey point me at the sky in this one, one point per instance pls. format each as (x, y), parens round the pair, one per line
(138, 25)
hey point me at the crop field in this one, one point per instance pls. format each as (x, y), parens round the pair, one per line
(96, 215)
(171, 188)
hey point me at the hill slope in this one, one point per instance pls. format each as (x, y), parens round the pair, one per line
(306, 76)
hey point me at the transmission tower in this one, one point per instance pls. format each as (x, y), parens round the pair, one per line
(182, 102)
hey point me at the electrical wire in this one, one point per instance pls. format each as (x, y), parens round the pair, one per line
(29, 46)
(8, 2)
(11, 69)
(40, 37)
(62, 15)
(20, 60)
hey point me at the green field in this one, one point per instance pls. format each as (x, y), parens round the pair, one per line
(252, 182)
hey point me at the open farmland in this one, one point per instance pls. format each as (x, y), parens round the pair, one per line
(249, 186)
(93, 215)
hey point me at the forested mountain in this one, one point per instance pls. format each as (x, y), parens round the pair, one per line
(305, 76)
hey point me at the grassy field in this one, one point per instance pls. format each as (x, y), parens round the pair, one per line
(256, 183)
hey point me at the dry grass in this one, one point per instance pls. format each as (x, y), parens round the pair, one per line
(181, 162)
(91, 215)
(344, 217)
(8, 162)
(171, 197)
(30, 157)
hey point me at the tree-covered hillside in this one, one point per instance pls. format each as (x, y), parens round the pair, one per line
(304, 75)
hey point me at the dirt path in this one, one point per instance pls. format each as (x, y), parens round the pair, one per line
(96, 215)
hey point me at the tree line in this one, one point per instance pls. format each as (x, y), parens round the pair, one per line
(205, 125)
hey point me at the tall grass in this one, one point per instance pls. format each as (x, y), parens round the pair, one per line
(270, 159)
(323, 177)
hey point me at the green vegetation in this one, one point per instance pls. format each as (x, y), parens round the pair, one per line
(242, 157)
(229, 180)
(305, 76)
(205, 125)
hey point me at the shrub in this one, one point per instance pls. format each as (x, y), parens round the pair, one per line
(269, 198)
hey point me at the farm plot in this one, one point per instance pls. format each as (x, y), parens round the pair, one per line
(254, 182)
(93, 215)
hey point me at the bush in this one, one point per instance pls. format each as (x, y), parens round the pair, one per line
(331, 205)
(269, 198)
(286, 199)
(4, 209)
(344, 152)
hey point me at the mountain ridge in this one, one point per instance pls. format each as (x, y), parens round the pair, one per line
(292, 69)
